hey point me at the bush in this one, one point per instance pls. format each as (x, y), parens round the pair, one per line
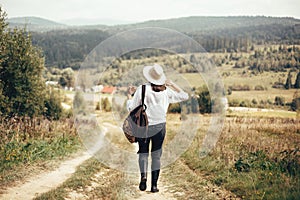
(239, 88)
(78, 103)
(174, 108)
(204, 99)
(259, 88)
(295, 105)
(98, 106)
(105, 105)
(254, 102)
(229, 91)
(279, 101)
(245, 104)
(53, 107)
(278, 85)
(234, 103)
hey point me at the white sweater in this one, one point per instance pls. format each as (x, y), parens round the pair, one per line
(157, 102)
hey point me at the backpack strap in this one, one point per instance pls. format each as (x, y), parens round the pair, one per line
(143, 96)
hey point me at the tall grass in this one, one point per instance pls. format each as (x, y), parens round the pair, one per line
(25, 141)
(255, 158)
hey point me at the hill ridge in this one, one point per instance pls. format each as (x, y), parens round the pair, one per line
(185, 24)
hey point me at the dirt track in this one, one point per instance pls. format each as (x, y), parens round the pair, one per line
(46, 181)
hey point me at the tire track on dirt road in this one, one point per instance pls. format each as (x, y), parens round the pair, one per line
(46, 181)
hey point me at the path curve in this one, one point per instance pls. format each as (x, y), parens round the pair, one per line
(46, 181)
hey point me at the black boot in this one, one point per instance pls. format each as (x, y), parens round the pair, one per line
(154, 178)
(143, 183)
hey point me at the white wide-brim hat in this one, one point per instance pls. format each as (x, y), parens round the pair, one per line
(154, 74)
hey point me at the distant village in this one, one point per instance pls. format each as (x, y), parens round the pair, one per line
(95, 89)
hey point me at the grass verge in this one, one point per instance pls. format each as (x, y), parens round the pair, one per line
(24, 152)
(255, 158)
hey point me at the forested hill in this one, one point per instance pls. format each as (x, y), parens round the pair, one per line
(184, 24)
(35, 23)
(192, 24)
(66, 46)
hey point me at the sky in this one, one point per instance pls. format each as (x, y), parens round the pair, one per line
(123, 11)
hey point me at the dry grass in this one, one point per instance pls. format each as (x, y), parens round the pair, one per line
(27, 143)
(262, 114)
(270, 94)
(22, 129)
(253, 158)
(270, 135)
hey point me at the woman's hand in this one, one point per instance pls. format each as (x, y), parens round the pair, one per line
(172, 85)
(130, 91)
(169, 83)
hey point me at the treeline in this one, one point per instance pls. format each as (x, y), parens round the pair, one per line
(276, 58)
(67, 48)
(243, 39)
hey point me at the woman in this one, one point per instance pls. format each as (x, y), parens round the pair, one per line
(160, 92)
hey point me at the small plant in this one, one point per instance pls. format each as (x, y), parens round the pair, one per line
(279, 101)
(105, 105)
(241, 165)
(259, 88)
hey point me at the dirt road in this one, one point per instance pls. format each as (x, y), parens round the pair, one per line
(47, 181)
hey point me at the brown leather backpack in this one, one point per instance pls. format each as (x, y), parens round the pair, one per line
(136, 123)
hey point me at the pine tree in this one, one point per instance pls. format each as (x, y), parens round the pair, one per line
(297, 82)
(288, 83)
(78, 103)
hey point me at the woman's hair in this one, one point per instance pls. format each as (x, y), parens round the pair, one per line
(158, 88)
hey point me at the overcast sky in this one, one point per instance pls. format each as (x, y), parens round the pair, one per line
(141, 10)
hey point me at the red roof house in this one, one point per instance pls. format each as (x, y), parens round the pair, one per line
(108, 89)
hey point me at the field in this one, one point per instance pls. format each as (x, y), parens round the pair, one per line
(265, 80)
(255, 158)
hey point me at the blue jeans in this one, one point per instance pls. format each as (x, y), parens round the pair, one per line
(157, 136)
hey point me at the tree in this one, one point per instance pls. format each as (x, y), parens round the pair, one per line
(288, 83)
(297, 82)
(295, 105)
(204, 99)
(279, 101)
(78, 103)
(21, 67)
(105, 104)
(3, 26)
(67, 78)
